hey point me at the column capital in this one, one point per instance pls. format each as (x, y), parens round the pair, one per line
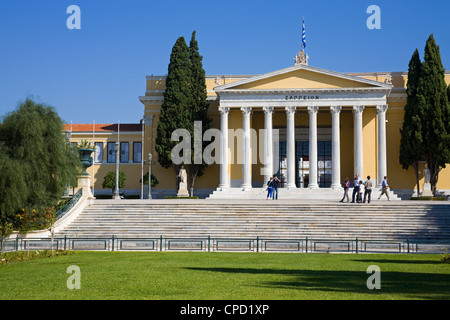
(224, 110)
(290, 109)
(268, 109)
(382, 108)
(335, 109)
(313, 109)
(246, 110)
(358, 109)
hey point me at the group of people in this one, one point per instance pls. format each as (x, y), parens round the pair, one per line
(272, 188)
(362, 190)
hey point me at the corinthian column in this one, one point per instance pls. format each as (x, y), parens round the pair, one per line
(358, 140)
(313, 147)
(290, 147)
(382, 162)
(224, 176)
(336, 147)
(246, 149)
(268, 144)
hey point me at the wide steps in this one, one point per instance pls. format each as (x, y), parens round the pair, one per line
(263, 219)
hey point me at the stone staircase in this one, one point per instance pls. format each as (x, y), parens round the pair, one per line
(282, 219)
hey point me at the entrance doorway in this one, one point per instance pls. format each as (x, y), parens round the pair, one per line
(302, 163)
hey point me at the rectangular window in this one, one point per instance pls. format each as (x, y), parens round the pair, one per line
(137, 152)
(98, 155)
(124, 152)
(111, 152)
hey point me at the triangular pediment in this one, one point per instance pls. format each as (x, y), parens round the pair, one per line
(302, 77)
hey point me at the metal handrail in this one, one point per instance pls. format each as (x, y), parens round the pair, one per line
(69, 205)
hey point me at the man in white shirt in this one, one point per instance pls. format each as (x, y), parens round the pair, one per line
(368, 190)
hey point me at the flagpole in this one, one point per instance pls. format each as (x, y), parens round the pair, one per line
(142, 158)
(303, 35)
(93, 162)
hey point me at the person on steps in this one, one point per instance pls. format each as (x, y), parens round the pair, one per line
(276, 184)
(367, 190)
(346, 186)
(355, 188)
(269, 188)
(384, 189)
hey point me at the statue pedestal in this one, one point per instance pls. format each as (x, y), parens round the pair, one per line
(84, 182)
(426, 190)
(182, 192)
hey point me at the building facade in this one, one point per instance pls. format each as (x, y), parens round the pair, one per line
(310, 126)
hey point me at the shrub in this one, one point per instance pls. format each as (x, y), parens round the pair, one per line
(445, 257)
(20, 256)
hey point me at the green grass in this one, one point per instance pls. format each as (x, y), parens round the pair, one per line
(231, 276)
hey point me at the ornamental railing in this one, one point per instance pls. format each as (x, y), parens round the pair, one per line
(69, 205)
(211, 244)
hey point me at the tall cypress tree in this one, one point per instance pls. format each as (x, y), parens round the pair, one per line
(175, 110)
(199, 110)
(432, 98)
(411, 146)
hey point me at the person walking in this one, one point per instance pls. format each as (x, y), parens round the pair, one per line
(346, 186)
(367, 190)
(276, 184)
(269, 188)
(360, 192)
(355, 188)
(384, 189)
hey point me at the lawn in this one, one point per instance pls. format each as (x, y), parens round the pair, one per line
(226, 276)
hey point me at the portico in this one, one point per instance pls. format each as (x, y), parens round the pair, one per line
(300, 95)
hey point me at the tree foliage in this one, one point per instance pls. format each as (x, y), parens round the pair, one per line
(199, 109)
(13, 195)
(33, 136)
(109, 181)
(184, 104)
(411, 146)
(433, 100)
(36, 163)
(155, 180)
(175, 110)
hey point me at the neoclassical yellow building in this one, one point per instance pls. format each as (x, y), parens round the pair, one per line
(310, 126)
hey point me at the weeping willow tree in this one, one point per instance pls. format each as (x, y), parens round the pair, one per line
(36, 163)
(13, 194)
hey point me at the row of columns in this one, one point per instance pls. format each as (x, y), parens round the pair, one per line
(290, 144)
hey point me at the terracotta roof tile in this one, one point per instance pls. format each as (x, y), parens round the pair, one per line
(77, 127)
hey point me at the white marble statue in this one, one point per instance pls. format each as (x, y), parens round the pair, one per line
(427, 174)
(427, 185)
(388, 79)
(182, 188)
(301, 58)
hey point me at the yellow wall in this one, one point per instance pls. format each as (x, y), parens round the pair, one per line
(99, 170)
(370, 137)
(347, 133)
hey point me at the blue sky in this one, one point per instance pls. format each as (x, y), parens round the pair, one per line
(98, 72)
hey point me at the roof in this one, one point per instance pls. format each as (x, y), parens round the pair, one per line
(113, 127)
(329, 73)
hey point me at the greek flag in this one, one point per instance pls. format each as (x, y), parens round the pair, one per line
(304, 35)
